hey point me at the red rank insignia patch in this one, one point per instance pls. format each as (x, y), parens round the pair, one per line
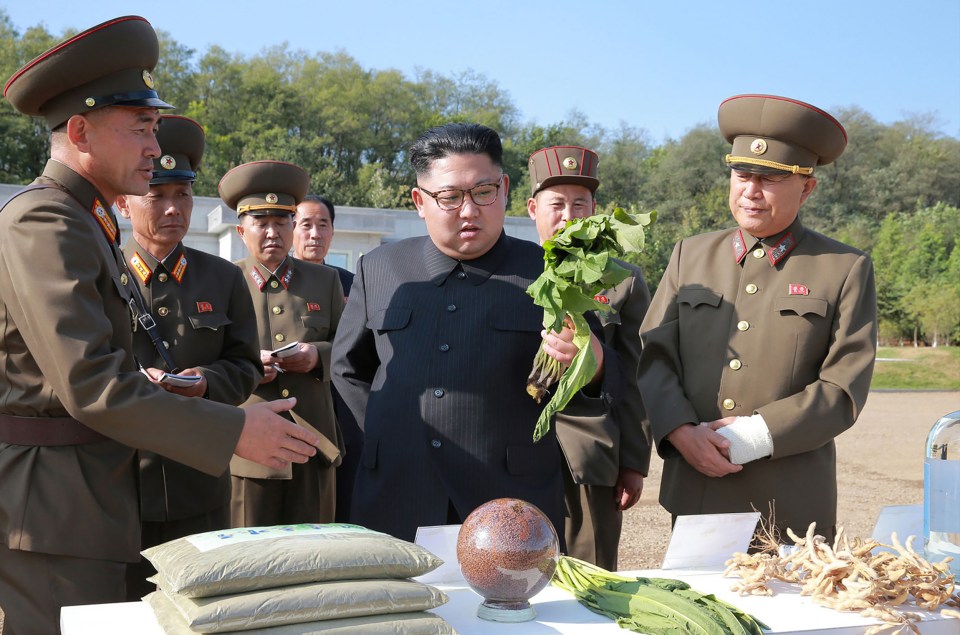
(798, 289)
(204, 307)
(313, 306)
(602, 299)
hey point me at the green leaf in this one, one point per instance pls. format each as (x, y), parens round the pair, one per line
(578, 264)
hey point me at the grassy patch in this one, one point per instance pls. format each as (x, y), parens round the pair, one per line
(917, 368)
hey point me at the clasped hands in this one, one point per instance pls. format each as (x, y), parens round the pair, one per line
(704, 449)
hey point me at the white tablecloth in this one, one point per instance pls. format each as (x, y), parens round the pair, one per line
(557, 613)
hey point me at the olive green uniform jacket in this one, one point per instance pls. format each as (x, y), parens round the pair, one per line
(301, 304)
(597, 447)
(204, 313)
(66, 351)
(785, 327)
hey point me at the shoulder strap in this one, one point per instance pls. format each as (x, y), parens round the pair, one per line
(137, 304)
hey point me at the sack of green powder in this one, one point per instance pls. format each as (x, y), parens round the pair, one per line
(244, 559)
(414, 623)
(304, 603)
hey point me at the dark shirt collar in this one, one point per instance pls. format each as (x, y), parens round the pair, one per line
(439, 266)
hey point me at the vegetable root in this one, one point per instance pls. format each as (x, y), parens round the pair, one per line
(850, 576)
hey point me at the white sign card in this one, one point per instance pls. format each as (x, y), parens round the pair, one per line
(706, 541)
(441, 541)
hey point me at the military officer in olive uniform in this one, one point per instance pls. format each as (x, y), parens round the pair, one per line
(205, 316)
(73, 404)
(759, 344)
(297, 303)
(606, 456)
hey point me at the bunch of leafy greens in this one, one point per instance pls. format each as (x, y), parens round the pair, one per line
(656, 606)
(578, 264)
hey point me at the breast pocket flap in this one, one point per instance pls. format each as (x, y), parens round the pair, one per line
(314, 321)
(390, 319)
(801, 305)
(212, 321)
(695, 297)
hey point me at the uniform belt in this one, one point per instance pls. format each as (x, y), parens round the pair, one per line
(46, 431)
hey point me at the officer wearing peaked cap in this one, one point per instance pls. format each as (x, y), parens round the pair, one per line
(73, 404)
(607, 456)
(205, 318)
(760, 341)
(299, 303)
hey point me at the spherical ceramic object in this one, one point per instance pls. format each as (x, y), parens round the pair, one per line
(508, 550)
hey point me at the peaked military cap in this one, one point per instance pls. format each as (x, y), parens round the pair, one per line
(563, 164)
(107, 65)
(773, 134)
(264, 188)
(182, 143)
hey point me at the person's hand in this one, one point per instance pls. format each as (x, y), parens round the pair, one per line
(198, 389)
(629, 488)
(271, 440)
(303, 361)
(719, 423)
(703, 449)
(560, 346)
(269, 370)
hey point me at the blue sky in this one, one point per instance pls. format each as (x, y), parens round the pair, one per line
(661, 66)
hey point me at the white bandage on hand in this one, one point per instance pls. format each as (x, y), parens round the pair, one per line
(749, 439)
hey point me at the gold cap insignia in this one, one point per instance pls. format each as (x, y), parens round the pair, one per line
(147, 78)
(271, 198)
(759, 146)
(570, 163)
(168, 162)
(90, 102)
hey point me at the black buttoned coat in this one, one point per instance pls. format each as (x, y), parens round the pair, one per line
(432, 357)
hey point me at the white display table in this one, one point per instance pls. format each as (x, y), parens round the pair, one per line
(557, 613)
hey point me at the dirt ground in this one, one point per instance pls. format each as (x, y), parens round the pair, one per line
(880, 462)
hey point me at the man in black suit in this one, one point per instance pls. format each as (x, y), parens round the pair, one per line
(435, 347)
(313, 234)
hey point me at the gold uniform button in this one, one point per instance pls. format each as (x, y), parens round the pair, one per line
(284, 393)
(743, 325)
(758, 253)
(123, 278)
(162, 277)
(729, 404)
(736, 364)
(279, 337)
(274, 284)
(751, 288)
(277, 310)
(163, 311)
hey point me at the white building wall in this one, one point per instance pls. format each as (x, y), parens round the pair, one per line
(358, 229)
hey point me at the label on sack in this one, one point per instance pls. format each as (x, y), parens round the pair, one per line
(215, 539)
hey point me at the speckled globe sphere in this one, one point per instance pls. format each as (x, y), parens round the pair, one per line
(508, 550)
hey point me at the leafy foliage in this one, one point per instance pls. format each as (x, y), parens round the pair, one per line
(894, 192)
(578, 264)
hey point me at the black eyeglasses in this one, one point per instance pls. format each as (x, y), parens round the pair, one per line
(450, 200)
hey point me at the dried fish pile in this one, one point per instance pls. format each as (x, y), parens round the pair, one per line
(849, 576)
